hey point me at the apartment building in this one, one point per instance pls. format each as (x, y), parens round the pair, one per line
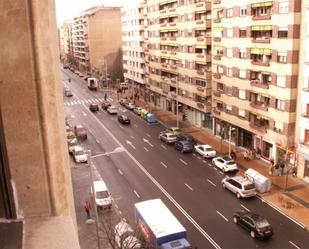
(97, 46)
(65, 41)
(255, 71)
(302, 122)
(177, 42)
(133, 51)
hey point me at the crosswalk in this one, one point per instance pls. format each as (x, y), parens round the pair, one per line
(85, 101)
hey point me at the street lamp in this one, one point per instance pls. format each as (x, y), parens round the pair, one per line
(116, 150)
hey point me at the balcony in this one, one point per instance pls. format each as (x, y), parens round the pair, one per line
(216, 1)
(172, 10)
(216, 111)
(200, 89)
(260, 63)
(217, 57)
(173, 52)
(258, 127)
(261, 40)
(217, 39)
(163, 25)
(198, 5)
(163, 64)
(217, 75)
(163, 11)
(261, 17)
(163, 51)
(200, 38)
(217, 20)
(172, 24)
(199, 21)
(259, 84)
(172, 38)
(200, 72)
(200, 105)
(259, 105)
(163, 38)
(217, 93)
(173, 67)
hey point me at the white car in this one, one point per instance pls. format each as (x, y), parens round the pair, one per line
(79, 155)
(112, 110)
(225, 163)
(124, 236)
(241, 186)
(205, 150)
(72, 144)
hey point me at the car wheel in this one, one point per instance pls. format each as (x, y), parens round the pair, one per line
(238, 195)
(252, 234)
(223, 185)
(235, 219)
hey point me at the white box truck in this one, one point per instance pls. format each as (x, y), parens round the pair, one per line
(92, 83)
(159, 227)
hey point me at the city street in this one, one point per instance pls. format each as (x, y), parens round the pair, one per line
(147, 168)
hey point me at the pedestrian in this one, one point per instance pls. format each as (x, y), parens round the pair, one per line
(282, 165)
(105, 96)
(233, 155)
(87, 208)
(271, 168)
(69, 79)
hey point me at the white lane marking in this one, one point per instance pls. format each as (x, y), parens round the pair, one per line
(204, 161)
(222, 216)
(189, 187)
(194, 154)
(136, 194)
(132, 137)
(199, 158)
(293, 244)
(159, 186)
(185, 163)
(163, 147)
(245, 208)
(211, 183)
(148, 135)
(121, 126)
(120, 172)
(79, 102)
(96, 100)
(130, 143)
(163, 164)
(135, 125)
(84, 114)
(146, 149)
(221, 172)
(147, 142)
(97, 141)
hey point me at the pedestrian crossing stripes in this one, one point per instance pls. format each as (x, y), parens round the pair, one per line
(85, 101)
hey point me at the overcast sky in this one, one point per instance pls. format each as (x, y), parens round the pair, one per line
(67, 9)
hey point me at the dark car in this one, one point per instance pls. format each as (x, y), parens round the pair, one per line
(257, 225)
(123, 102)
(184, 146)
(94, 107)
(105, 105)
(124, 119)
(186, 137)
(68, 93)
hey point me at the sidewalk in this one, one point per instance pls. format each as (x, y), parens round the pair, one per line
(289, 196)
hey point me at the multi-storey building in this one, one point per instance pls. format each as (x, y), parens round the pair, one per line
(302, 122)
(133, 51)
(65, 40)
(178, 57)
(255, 69)
(97, 46)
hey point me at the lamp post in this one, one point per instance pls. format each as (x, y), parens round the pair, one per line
(116, 150)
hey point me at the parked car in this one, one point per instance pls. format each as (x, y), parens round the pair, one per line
(167, 137)
(65, 67)
(186, 137)
(184, 146)
(257, 225)
(124, 236)
(123, 101)
(72, 144)
(130, 106)
(205, 150)
(226, 164)
(174, 130)
(137, 110)
(94, 107)
(70, 136)
(81, 75)
(112, 110)
(80, 132)
(123, 119)
(239, 185)
(68, 93)
(79, 155)
(105, 105)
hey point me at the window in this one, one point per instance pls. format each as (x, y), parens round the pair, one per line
(229, 32)
(283, 7)
(242, 94)
(282, 57)
(283, 32)
(229, 72)
(242, 53)
(242, 32)
(241, 113)
(242, 74)
(189, 17)
(220, 69)
(243, 11)
(278, 126)
(228, 91)
(220, 87)
(229, 52)
(281, 81)
(229, 108)
(280, 104)
(229, 13)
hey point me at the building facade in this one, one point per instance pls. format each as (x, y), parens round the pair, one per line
(133, 51)
(177, 43)
(255, 70)
(302, 123)
(97, 45)
(65, 41)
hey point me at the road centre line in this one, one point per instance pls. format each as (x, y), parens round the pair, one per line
(163, 147)
(222, 216)
(189, 187)
(163, 164)
(245, 208)
(294, 244)
(136, 193)
(159, 186)
(185, 163)
(146, 149)
(211, 183)
(120, 172)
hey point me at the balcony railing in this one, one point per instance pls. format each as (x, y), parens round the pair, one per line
(258, 127)
(217, 57)
(217, 39)
(217, 20)
(261, 39)
(259, 84)
(216, 1)
(260, 63)
(199, 21)
(200, 71)
(262, 17)
(217, 93)
(200, 38)
(217, 75)
(216, 111)
(200, 105)
(200, 88)
(259, 105)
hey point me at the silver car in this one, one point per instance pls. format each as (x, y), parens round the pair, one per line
(167, 137)
(239, 185)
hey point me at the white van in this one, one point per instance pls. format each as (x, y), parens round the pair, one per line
(102, 196)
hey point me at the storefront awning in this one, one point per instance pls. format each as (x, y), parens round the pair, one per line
(261, 27)
(264, 4)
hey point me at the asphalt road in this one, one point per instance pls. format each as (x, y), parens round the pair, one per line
(187, 184)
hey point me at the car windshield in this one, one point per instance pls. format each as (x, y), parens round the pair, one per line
(262, 223)
(230, 162)
(79, 153)
(249, 186)
(208, 149)
(102, 194)
(74, 143)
